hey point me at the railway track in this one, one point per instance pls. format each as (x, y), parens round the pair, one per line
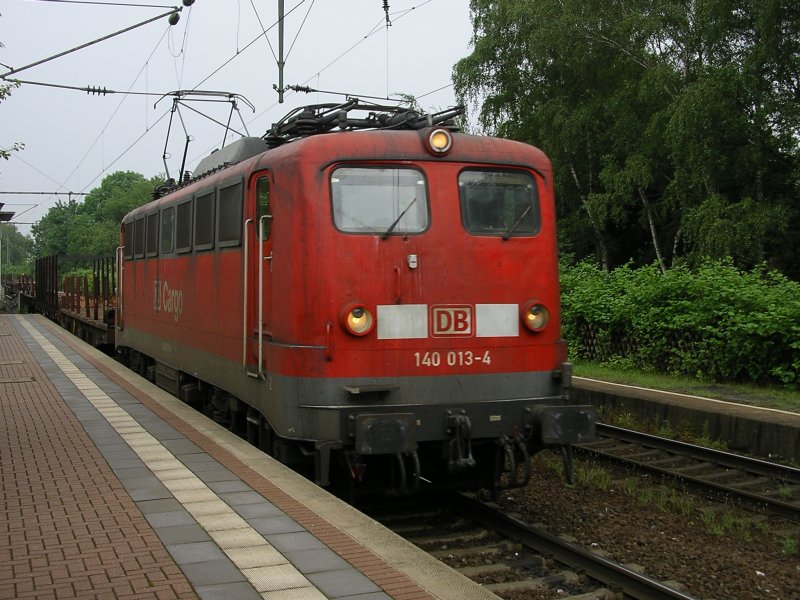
(741, 480)
(514, 559)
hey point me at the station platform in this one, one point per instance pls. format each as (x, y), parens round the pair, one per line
(112, 488)
(761, 431)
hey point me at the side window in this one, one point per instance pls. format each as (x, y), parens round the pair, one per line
(183, 227)
(168, 230)
(262, 206)
(152, 234)
(204, 221)
(229, 215)
(138, 238)
(128, 232)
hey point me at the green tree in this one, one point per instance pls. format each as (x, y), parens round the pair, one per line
(91, 228)
(16, 250)
(100, 215)
(52, 232)
(657, 116)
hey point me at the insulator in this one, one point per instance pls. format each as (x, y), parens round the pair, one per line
(386, 10)
(306, 126)
(174, 18)
(273, 141)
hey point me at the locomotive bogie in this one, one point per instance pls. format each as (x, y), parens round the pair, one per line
(359, 299)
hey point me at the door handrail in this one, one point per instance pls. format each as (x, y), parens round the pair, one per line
(261, 292)
(245, 278)
(118, 317)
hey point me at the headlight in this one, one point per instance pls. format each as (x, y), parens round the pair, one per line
(535, 316)
(358, 320)
(440, 141)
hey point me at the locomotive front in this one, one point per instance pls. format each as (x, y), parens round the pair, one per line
(414, 328)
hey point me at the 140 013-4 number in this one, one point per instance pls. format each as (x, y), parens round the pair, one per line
(452, 358)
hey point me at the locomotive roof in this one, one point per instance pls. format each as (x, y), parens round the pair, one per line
(324, 118)
(316, 148)
(310, 121)
(233, 153)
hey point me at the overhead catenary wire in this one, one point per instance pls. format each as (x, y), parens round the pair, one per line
(182, 53)
(5, 75)
(88, 89)
(97, 89)
(280, 88)
(263, 31)
(309, 90)
(119, 106)
(378, 27)
(98, 3)
(102, 91)
(439, 89)
(31, 193)
(299, 29)
(124, 152)
(239, 52)
(92, 90)
(16, 156)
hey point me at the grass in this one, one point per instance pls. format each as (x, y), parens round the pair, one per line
(664, 498)
(774, 397)
(727, 522)
(619, 417)
(771, 397)
(790, 546)
(593, 476)
(715, 519)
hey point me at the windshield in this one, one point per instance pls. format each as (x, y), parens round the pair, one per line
(385, 201)
(501, 203)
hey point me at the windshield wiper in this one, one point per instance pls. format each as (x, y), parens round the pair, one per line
(516, 224)
(397, 220)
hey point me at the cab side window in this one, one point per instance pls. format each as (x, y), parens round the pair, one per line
(168, 230)
(128, 233)
(263, 209)
(152, 234)
(183, 227)
(139, 238)
(204, 221)
(229, 217)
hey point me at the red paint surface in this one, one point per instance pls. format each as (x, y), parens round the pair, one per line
(317, 271)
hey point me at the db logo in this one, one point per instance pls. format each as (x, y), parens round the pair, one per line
(448, 321)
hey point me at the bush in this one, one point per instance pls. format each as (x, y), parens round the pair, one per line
(714, 322)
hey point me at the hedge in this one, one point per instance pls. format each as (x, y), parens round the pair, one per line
(715, 322)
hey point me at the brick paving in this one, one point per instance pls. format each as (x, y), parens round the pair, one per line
(68, 528)
(395, 583)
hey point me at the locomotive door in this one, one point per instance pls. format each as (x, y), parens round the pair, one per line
(258, 278)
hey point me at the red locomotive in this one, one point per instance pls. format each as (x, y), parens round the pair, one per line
(378, 303)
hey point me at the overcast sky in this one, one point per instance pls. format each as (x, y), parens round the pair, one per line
(73, 139)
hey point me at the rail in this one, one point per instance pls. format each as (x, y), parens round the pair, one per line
(772, 477)
(611, 574)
